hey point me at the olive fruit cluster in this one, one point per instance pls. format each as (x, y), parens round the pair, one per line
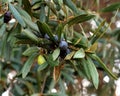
(7, 17)
(64, 50)
(62, 44)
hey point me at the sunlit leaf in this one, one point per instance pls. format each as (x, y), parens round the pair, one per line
(92, 48)
(17, 15)
(79, 54)
(70, 55)
(56, 54)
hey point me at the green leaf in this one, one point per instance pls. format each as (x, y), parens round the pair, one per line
(30, 51)
(42, 66)
(80, 41)
(93, 72)
(42, 14)
(59, 30)
(56, 54)
(68, 77)
(52, 7)
(31, 24)
(28, 64)
(71, 5)
(80, 19)
(111, 7)
(103, 65)
(45, 29)
(30, 35)
(2, 30)
(19, 90)
(17, 15)
(85, 68)
(50, 61)
(79, 54)
(23, 13)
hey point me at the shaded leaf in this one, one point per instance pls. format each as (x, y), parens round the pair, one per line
(103, 65)
(30, 35)
(27, 6)
(85, 68)
(45, 29)
(30, 51)
(19, 90)
(80, 19)
(26, 68)
(111, 7)
(68, 77)
(71, 5)
(93, 72)
(31, 24)
(42, 66)
(51, 62)
(23, 12)
(42, 14)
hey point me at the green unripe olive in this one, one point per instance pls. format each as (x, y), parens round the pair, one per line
(41, 60)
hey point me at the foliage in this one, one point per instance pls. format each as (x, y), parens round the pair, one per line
(39, 28)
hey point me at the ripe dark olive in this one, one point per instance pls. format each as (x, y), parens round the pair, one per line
(46, 36)
(67, 51)
(63, 45)
(63, 52)
(7, 17)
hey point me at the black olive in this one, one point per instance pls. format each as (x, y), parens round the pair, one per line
(7, 17)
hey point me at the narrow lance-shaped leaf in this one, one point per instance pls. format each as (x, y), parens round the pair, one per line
(45, 29)
(28, 64)
(30, 35)
(93, 72)
(111, 7)
(42, 14)
(30, 51)
(23, 12)
(31, 24)
(103, 65)
(85, 70)
(71, 5)
(80, 19)
(42, 66)
(16, 15)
